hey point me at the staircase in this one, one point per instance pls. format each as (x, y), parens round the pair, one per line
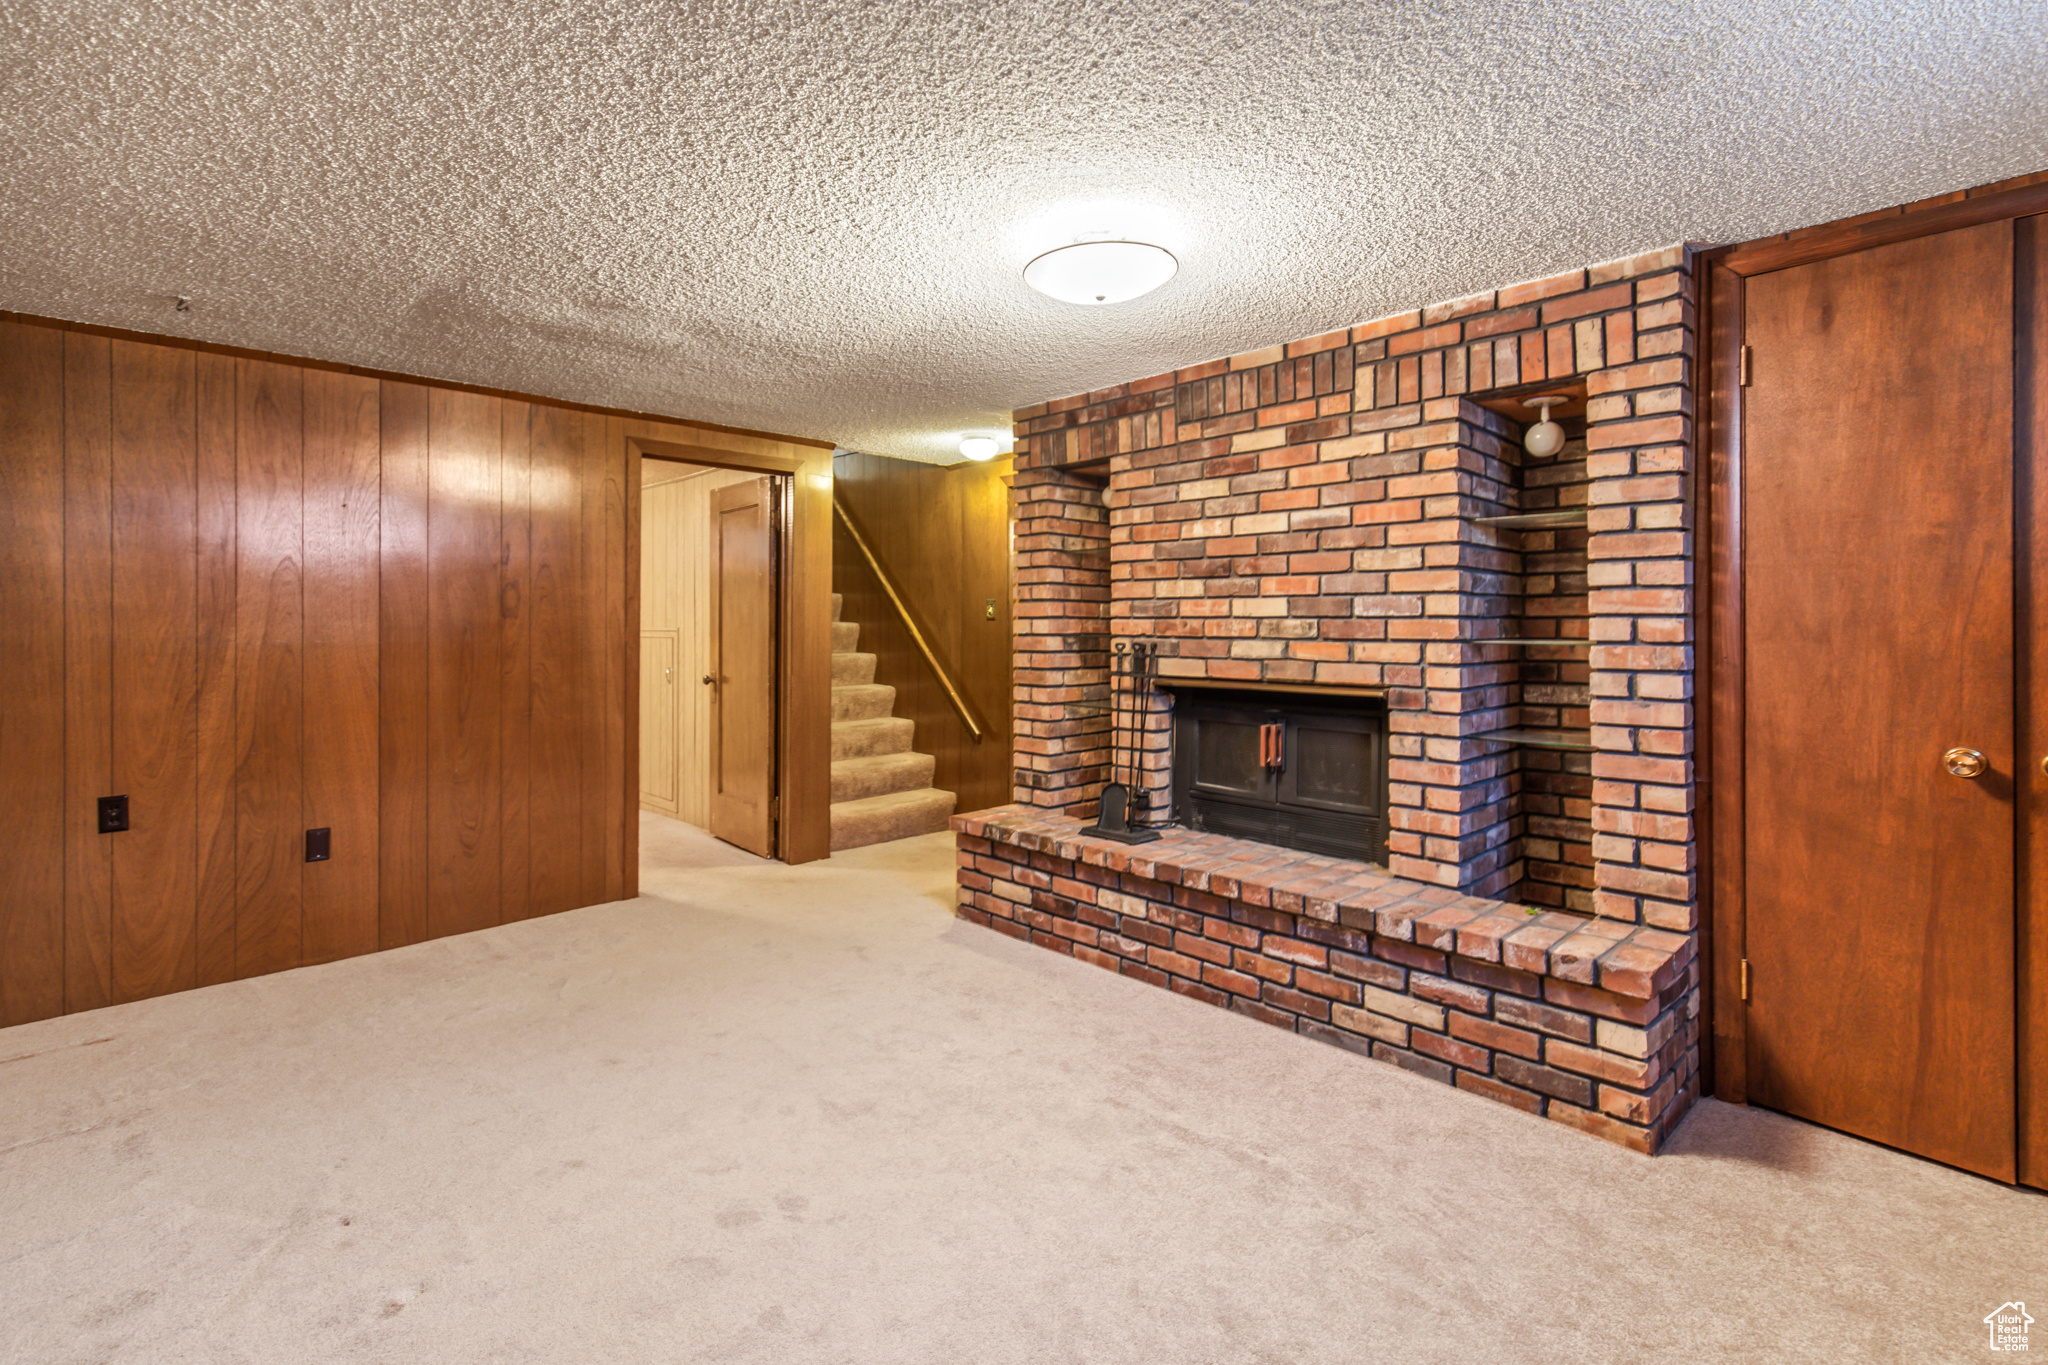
(880, 789)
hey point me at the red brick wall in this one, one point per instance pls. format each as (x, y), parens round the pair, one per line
(1061, 628)
(1304, 514)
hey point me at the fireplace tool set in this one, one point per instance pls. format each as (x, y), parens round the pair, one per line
(1123, 803)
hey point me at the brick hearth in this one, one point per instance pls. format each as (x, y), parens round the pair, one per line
(1582, 1020)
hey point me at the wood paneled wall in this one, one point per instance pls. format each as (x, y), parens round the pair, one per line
(259, 596)
(943, 533)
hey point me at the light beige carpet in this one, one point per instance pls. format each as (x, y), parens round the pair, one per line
(768, 1114)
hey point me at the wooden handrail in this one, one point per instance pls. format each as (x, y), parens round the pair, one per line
(952, 689)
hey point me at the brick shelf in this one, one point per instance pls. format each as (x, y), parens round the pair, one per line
(1586, 1021)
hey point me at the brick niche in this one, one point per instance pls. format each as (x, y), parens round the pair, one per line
(1308, 515)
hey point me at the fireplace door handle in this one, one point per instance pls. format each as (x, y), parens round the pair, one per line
(1272, 745)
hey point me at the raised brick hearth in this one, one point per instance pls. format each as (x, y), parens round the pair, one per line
(1585, 1021)
(1318, 515)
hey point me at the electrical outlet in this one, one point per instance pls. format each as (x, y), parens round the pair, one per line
(319, 845)
(113, 814)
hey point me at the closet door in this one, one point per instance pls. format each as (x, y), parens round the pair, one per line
(743, 666)
(1879, 757)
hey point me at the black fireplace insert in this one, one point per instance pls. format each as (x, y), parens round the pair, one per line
(1295, 770)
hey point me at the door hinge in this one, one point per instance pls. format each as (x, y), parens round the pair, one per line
(1745, 979)
(1744, 367)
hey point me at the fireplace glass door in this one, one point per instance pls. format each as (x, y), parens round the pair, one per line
(1295, 773)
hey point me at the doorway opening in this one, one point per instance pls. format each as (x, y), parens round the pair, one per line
(713, 559)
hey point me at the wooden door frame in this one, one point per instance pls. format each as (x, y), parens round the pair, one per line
(803, 549)
(1719, 278)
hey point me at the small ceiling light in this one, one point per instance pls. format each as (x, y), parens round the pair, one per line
(1101, 272)
(979, 447)
(1546, 438)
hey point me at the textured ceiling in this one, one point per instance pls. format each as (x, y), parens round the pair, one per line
(811, 217)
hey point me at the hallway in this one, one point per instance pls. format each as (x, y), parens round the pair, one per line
(784, 1114)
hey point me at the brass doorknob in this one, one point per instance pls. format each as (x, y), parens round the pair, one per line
(1965, 762)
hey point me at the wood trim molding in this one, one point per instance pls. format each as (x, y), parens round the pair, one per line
(1966, 209)
(1721, 792)
(2030, 527)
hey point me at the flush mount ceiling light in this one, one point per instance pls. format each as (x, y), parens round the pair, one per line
(979, 447)
(1101, 272)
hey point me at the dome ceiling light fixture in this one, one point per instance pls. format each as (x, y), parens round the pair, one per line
(979, 448)
(1546, 437)
(1091, 273)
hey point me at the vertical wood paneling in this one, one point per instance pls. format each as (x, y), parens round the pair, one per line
(806, 785)
(943, 535)
(31, 673)
(260, 596)
(622, 666)
(402, 677)
(343, 492)
(515, 682)
(88, 672)
(555, 451)
(215, 670)
(591, 644)
(154, 485)
(658, 713)
(629, 613)
(269, 667)
(463, 662)
(669, 781)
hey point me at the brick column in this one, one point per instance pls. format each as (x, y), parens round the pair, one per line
(1061, 637)
(1642, 600)
(1449, 795)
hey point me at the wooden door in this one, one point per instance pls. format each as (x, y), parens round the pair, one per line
(1878, 569)
(743, 665)
(660, 706)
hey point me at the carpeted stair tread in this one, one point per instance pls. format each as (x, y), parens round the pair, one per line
(863, 701)
(850, 668)
(867, 738)
(899, 815)
(881, 787)
(854, 779)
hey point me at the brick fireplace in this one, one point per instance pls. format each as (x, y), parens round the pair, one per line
(1354, 515)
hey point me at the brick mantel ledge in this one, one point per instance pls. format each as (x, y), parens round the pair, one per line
(1589, 1022)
